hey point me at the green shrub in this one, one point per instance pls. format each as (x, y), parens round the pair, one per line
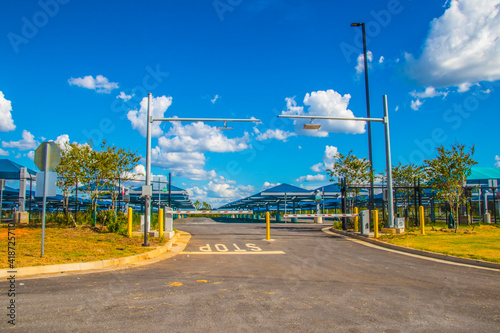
(118, 224)
(337, 225)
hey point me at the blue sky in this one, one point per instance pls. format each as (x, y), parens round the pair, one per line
(75, 70)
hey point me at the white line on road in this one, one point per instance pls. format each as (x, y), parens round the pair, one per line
(327, 230)
(215, 252)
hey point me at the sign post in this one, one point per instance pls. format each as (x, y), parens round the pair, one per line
(2, 185)
(147, 193)
(47, 157)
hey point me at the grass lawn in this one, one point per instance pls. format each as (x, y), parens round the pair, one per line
(482, 243)
(68, 245)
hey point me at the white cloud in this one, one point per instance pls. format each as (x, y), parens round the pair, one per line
(31, 155)
(328, 156)
(274, 134)
(416, 104)
(463, 87)
(182, 164)
(100, 84)
(325, 103)
(28, 142)
(300, 147)
(224, 190)
(397, 108)
(429, 92)
(267, 185)
(124, 96)
(222, 180)
(360, 67)
(139, 173)
(318, 167)
(4, 152)
(196, 192)
(182, 149)
(328, 159)
(381, 60)
(497, 163)
(138, 118)
(62, 140)
(200, 137)
(213, 100)
(218, 192)
(311, 178)
(462, 47)
(6, 121)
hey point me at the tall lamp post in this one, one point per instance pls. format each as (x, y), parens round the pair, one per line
(385, 121)
(370, 156)
(150, 121)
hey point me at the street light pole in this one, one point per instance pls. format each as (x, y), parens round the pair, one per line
(370, 156)
(149, 121)
(147, 198)
(390, 213)
(385, 121)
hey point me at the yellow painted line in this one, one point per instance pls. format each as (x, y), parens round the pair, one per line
(214, 252)
(326, 230)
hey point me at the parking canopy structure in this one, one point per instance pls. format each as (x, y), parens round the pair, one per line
(331, 197)
(12, 171)
(281, 198)
(179, 198)
(484, 177)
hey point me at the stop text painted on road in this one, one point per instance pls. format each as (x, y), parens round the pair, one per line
(248, 248)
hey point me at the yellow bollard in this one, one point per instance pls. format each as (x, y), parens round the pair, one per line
(129, 230)
(422, 220)
(160, 222)
(356, 220)
(268, 226)
(375, 223)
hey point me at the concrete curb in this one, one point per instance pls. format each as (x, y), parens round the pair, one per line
(472, 262)
(93, 265)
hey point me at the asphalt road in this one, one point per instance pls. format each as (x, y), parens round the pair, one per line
(228, 279)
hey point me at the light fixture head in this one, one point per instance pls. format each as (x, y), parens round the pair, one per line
(312, 126)
(225, 127)
(355, 24)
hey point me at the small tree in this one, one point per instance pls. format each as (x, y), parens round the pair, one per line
(121, 163)
(100, 169)
(202, 205)
(68, 172)
(95, 171)
(448, 172)
(404, 176)
(355, 171)
(197, 204)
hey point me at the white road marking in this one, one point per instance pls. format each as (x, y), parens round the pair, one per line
(241, 253)
(327, 230)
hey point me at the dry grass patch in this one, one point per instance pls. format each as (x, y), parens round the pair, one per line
(69, 245)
